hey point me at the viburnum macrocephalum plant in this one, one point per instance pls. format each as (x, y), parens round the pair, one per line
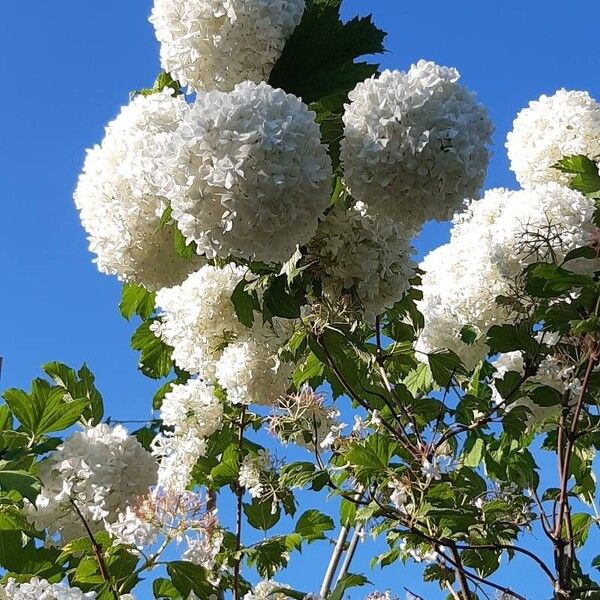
(263, 227)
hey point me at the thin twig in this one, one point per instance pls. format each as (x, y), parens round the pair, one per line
(238, 525)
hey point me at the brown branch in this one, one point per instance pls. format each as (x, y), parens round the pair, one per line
(460, 573)
(97, 550)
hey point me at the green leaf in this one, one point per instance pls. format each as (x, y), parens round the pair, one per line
(581, 523)
(443, 364)
(419, 379)
(349, 580)
(260, 514)
(21, 481)
(188, 577)
(544, 280)
(584, 171)
(163, 588)
(155, 359)
(245, 303)
(468, 335)
(509, 338)
(136, 300)
(226, 472)
(268, 556)
(280, 301)
(78, 385)
(313, 524)
(187, 251)
(472, 457)
(310, 370)
(319, 58)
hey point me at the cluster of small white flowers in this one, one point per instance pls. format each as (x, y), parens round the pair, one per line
(203, 551)
(265, 591)
(416, 144)
(365, 254)
(399, 495)
(199, 321)
(96, 472)
(40, 589)
(119, 199)
(251, 470)
(198, 317)
(215, 44)
(193, 413)
(490, 245)
(249, 368)
(130, 530)
(387, 595)
(249, 174)
(549, 129)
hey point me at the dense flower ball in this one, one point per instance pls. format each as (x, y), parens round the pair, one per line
(215, 44)
(250, 369)
(118, 195)
(265, 590)
(198, 317)
(549, 129)
(98, 471)
(249, 174)
(416, 144)
(461, 283)
(40, 589)
(193, 413)
(356, 252)
(491, 244)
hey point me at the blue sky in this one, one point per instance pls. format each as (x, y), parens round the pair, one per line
(68, 66)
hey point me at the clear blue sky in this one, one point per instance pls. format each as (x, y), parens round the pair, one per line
(68, 65)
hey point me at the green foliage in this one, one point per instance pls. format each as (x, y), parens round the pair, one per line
(155, 355)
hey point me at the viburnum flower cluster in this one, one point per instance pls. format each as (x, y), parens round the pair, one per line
(250, 176)
(93, 475)
(199, 321)
(40, 589)
(360, 253)
(564, 124)
(192, 413)
(265, 590)
(415, 144)
(216, 44)
(491, 243)
(119, 195)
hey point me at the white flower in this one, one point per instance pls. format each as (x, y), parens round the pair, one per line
(215, 44)
(399, 495)
(119, 199)
(98, 470)
(249, 368)
(251, 469)
(198, 317)
(193, 413)
(40, 589)
(431, 470)
(249, 174)
(264, 591)
(491, 243)
(416, 144)
(549, 129)
(130, 530)
(203, 551)
(363, 253)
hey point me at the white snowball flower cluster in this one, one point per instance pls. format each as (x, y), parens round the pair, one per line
(365, 254)
(490, 245)
(215, 44)
(40, 589)
(119, 199)
(249, 174)
(549, 129)
(416, 144)
(98, 470)
(198, 317)
(193, 413)
(199, 321)
(265, 591)
(250, 369)
(130, 530)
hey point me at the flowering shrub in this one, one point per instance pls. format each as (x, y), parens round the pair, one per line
(265, 247)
